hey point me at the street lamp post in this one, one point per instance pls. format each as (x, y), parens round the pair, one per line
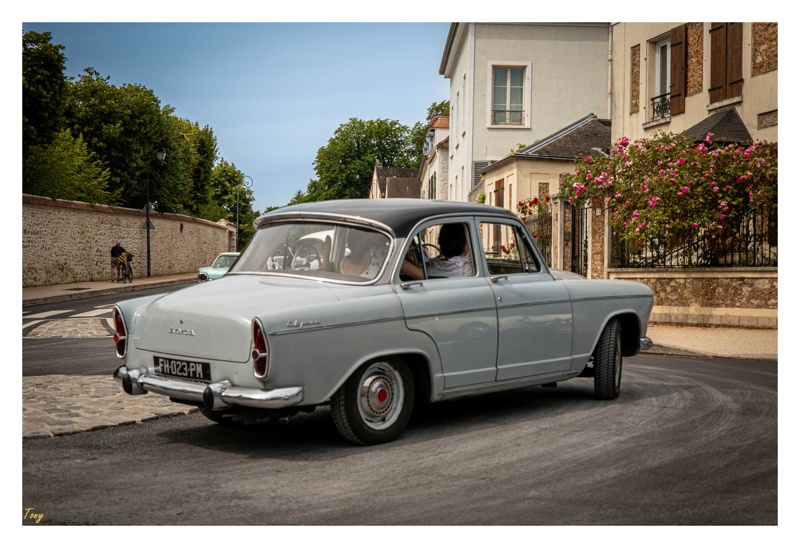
(248, 193)
(161, 155)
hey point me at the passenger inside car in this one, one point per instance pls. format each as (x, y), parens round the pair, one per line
(367, 253)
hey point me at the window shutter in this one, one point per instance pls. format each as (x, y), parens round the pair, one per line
(726, 61)
(677, 96)
(734, 61)
(719, 46)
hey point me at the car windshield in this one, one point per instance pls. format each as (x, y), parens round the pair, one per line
(331, 251)
(224, 261)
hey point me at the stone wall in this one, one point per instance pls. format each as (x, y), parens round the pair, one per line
(744, 297)
(67, 242)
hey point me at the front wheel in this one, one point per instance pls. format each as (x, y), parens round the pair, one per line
(374, 405)
(608, 362)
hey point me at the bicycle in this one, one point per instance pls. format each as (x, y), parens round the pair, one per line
(126, 269)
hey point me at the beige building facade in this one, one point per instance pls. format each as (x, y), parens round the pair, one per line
(668, 77)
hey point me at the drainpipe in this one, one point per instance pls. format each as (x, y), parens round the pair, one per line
(610, 59)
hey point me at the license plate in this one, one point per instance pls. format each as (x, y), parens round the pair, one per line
(186, 369)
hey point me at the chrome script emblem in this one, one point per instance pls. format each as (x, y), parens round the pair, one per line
(181, 331)
(298, 323)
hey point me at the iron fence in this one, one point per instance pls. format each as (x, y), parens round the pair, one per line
(541, 228)
(752, 241)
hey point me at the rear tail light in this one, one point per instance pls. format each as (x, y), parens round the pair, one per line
(260, 351)
(120, 333)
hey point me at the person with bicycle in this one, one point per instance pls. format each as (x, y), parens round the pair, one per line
(126, 271)
(116, 251)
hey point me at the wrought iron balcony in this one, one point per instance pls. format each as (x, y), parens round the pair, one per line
(508, 117)
(659, 106)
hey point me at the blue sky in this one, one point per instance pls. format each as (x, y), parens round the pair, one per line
(273, 93)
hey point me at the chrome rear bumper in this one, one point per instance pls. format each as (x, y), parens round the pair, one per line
(645, 344)
(215, 396)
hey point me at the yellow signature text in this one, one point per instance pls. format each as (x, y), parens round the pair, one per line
(31, 515)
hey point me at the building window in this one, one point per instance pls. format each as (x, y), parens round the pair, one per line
(509, 94)
(662, 67)
(659, 102)
(432, 187)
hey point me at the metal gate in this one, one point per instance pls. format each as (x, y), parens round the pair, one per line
(580, 240)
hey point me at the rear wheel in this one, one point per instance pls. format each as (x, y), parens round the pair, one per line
(375, 404)
(608, 362)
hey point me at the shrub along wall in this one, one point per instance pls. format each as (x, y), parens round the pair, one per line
(67, 242)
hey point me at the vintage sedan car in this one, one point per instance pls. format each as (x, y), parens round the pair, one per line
(218, 268)
(369, 323)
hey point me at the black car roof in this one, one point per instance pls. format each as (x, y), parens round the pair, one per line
(399, 214)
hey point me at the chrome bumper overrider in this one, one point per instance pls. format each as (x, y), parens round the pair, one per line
(216, 396)
(645, 344)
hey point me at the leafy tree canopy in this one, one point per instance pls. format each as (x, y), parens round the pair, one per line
(345, 165)
(43, 89)
(65, 169)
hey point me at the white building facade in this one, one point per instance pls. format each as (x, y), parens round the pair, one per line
(512, 84)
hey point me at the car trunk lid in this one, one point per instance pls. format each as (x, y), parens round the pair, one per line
(212, 321)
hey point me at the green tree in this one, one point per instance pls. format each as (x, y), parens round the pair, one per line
(67, 170)
(228, 189)
(203, 154)
(125, 127)
(344, 166)
(44, 87)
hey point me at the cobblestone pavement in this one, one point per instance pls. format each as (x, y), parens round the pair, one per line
(54, 405)
(66, 404)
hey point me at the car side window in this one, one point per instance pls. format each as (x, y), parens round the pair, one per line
(506, 249)
(440, 251)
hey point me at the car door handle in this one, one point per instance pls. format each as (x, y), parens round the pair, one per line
(496, 279)
(408, 285)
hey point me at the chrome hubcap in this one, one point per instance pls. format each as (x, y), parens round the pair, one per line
(381, 396)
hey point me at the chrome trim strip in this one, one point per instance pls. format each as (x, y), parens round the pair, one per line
(496, 386)
(611, 297)
(321, 327)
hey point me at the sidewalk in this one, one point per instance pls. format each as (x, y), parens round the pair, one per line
(80, 290)
(60, 404)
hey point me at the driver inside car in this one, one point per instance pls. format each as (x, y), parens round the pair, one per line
(454, 260)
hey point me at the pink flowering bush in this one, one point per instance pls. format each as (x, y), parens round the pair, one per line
(667, 184)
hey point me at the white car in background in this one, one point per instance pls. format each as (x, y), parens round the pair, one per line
(218, 268)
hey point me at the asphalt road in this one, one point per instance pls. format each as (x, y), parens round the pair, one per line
(689, 441)
(75, 356)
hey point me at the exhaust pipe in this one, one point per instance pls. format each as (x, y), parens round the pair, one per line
(212, 396)
(128, 379)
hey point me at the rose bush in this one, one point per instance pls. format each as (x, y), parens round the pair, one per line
(655, 187)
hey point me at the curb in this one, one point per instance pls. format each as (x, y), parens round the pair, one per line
(123, 288)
